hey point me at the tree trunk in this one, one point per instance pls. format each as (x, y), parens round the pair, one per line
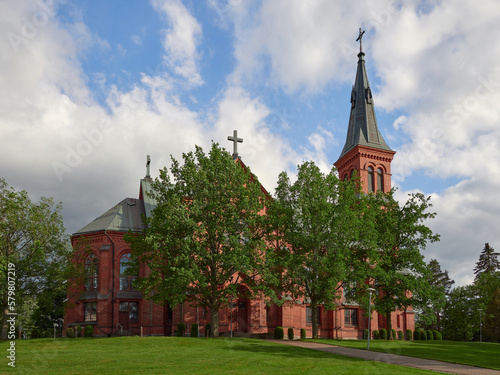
(389, 325)
(314, 308)
(5, 327)
(214, 318)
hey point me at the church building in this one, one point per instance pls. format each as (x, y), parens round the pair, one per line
(108, 300)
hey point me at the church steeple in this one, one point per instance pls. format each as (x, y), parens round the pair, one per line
(365, 149)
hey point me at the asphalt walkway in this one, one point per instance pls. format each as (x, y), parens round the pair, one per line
(401, 360)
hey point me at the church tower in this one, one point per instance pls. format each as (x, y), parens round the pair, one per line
(365, 151)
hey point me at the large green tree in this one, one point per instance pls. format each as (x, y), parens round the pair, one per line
(34, 250)
(429, 317)
(460, 320)
(400, 274)
(488, 261)
(319, 223)
(205, 236)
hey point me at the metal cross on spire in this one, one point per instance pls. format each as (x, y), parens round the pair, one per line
(235, 141)
(360, 36)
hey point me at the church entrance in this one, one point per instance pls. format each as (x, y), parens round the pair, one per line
(242, 315)
(129, 313)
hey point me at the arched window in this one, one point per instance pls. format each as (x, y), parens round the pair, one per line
(380, 180)
(353, 172)
(91, 273)
(346, 177)
(370, 180)
(126, 281)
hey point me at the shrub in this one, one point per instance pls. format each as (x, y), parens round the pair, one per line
(35, 333)
(375, 335)
(437, 335)
(382, 334)
(278, 333)
(416, 335)
(290, 333)
(208, 329)
(181, 328)
(393, 334)
(400, 335)
(70, 333)
(365, 334)
(88, 331)
(78, 331)
(194, 330)
(408, 335)
(430, 335)
(423, 335)
(303, 333)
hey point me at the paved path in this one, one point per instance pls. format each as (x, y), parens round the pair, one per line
(425, 364)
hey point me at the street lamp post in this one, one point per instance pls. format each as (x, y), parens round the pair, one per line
(370, 291)
(480, 326)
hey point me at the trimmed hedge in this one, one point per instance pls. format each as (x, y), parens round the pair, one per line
(181, 328)
(423, 335)
(382, 334)
(400, 335)
(437, 335)
(302, 333)
(78, 331)
(88, 331)
(70, 333)
(408, 335)
(416, 335)
(394, 337)
(290, 333)
(430, 335)
(278, 333)
(365, 334)
(194, 330)
(375, 335)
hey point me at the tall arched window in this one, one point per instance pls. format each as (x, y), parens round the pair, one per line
(126, 281)
(370, 180)
(353, 173)
(380, 180)
(91, 272)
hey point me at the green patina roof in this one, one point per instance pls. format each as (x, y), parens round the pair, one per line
(363, 129)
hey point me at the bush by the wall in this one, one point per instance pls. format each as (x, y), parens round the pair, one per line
(365, 334)
(70, 333)
(181, 328)
(408, 335)
(290, 333)
(382, 333)
(400, 335)
(437, 335)
(88, 331)
(430, 335)
(302, 333)
(278, 333)
(375, 335)
(394, 337)
(208, 329)
(194, 330)
(423, 335)
(416, 335)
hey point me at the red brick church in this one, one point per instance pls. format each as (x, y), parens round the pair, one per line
(108, 301)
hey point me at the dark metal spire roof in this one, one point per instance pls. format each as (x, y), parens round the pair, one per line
(363, 129)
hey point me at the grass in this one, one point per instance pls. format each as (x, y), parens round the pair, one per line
(171, 355)
(478, 354)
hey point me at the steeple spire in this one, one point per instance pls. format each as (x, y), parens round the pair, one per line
(363, 129)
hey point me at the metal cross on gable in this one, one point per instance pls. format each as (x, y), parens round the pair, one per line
(235, 141)
(360, 36)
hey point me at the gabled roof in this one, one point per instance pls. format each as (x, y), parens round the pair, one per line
(124, 216)
(363, 129)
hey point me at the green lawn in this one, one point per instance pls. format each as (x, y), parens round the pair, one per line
(478, 354)
(170, 355)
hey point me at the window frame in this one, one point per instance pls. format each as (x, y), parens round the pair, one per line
(91, 267)
(126, 281)
(351, 317)
(90, 311)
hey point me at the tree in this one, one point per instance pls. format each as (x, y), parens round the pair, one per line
(492, 318)
(400, 274)
(33, 248)
(204, 238)
(440, 282)
(460, 319)
(318, 220)
(488, 261)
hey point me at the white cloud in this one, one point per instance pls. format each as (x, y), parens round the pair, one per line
(181, 40)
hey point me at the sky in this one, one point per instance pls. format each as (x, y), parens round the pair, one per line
(88, 89)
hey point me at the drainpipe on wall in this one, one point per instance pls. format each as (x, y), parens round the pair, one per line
(112, 287)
